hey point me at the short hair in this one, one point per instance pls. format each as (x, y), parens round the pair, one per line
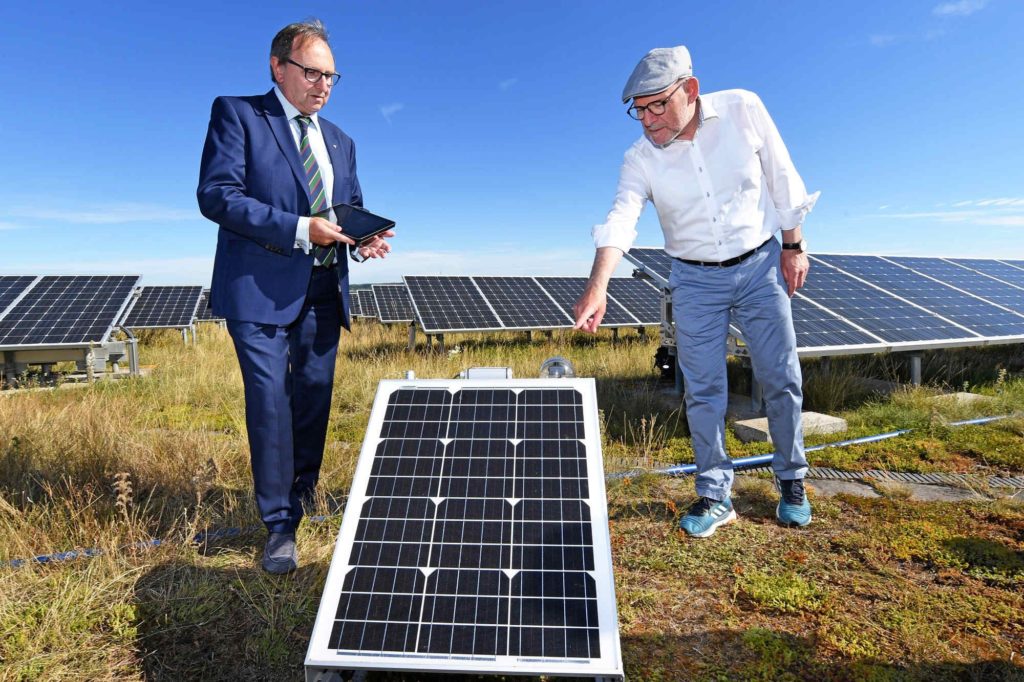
(300, 32)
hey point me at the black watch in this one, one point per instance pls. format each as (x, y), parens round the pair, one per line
(800, 246)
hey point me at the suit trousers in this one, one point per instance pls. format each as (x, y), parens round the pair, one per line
(288, 374)
(753, 294)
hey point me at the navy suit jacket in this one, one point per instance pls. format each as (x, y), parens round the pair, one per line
(252, 184)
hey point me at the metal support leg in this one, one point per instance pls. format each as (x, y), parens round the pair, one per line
(915, 369)
(642, 333)
(440, 343)
(184, 336)
(549, 334)
(412, 336)
(615, 334)
(529, 336)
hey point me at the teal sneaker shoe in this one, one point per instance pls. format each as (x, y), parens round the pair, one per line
(706, 515)
(793, 509)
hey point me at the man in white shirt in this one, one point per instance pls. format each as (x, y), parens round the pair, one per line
(723, 184)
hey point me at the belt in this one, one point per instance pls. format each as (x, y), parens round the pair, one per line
(726, 263)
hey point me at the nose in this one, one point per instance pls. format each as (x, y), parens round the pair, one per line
(647, 113)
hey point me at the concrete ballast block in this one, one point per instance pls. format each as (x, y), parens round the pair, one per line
(749, 430)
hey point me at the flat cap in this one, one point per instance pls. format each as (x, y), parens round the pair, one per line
(660, 68)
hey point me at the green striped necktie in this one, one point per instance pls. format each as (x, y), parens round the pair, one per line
(325, 255)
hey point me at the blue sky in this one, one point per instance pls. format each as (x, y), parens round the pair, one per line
(493, 133)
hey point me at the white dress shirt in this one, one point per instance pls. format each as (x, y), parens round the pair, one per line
(323, 160)
(722, 194)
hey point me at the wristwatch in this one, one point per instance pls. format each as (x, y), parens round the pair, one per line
(800, 246)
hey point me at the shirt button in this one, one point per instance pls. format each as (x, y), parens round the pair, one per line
(700, 169)
(714, 220)
(708, 193)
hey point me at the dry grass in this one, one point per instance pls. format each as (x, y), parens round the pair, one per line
(885, 589)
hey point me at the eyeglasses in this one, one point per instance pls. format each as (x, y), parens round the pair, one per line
(656, 108)
(314, 75)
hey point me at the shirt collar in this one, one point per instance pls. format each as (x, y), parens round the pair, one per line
(707, 108)
(290, 112)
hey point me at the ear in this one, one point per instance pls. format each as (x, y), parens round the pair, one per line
(277, 68)
(692, 88)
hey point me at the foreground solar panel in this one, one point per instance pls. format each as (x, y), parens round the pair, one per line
(393, 304)
(475, 538)
(968, 280)
(66, 310)
(164, 306)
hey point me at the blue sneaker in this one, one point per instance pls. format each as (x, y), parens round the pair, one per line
(706, 515)
(793, 509)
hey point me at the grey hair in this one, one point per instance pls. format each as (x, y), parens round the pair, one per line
(284, 41)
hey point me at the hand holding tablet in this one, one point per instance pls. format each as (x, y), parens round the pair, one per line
(357, 223)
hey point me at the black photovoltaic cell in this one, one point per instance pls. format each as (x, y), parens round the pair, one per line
(164, 306)
(880, 313)
(67, 310)
(639, 297)
(966, 279)
(654, 259)
(1003, 270)
(815, 327)
(567, 290)
(393, 304)
(981, 317)
(355, 304)
(475, 537)
(521, 303)
(204, 313)
(450, 304)
(366, 303)
(11, 287)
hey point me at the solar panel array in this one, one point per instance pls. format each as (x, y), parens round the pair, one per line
(61, 310)
(458, 304)
(164, 306)
(367, 302)
(875, 303)
(476, 535)
(393, 303)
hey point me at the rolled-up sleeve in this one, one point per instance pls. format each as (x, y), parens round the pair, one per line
(785, 186)
(619, 228)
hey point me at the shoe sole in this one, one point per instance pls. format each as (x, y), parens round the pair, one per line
(729, 518)
(790, 524)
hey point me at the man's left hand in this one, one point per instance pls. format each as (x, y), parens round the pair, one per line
(795, 265)
(376, 247)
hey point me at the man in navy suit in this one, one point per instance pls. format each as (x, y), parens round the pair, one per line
(285, 299)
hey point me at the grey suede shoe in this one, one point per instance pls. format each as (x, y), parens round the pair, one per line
(280, 555)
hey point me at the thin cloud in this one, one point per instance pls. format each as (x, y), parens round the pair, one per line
(962, 8)
(105, 214)
(507, 83)
(975, 217)
(10, 226)
(389, 110)
(882, 39)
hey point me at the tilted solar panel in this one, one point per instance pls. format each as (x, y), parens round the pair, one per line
(1002, 270)
(204, 312)
(11, 287)
(521, 303)
(67, 310)
(653, 259)
(444, 304)
(967, 279)
(567, 290)
(641, 298)
(393, 304)
(355, 304)
(817, 328)
(978, 316)
(367, 303)
(164, 306)
(475, 537)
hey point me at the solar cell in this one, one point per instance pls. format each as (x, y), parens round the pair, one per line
(978, 316)
(164, 306)
(817, 328)
(641, 298)
(444, 304)
(966, 279)
(567, 290)
(393, 304)
(475, 537)
(67, 310)
(355, 304)
(521, 303)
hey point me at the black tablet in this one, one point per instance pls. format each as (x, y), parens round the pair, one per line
(358, 223)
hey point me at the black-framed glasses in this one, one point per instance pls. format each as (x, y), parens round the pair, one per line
(656, 108)
(314, 75)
